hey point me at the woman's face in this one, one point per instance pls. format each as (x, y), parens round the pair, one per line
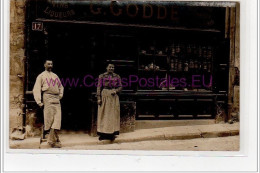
(110, 68)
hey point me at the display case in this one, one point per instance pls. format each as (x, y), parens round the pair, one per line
(181, 74)
(178, 60)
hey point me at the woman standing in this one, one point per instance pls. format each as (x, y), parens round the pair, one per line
(108, 120)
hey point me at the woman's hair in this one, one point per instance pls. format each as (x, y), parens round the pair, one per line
(109, 62)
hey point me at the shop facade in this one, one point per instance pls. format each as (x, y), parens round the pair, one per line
(179, 60)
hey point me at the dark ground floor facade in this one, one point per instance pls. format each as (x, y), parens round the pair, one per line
(198, 42)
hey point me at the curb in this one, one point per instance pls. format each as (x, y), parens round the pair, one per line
(142, 135)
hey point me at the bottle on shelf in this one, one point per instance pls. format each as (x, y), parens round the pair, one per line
(191, 65)
(172, 50)
(178, 48)
(189, 49)
(179, 68)
(199, 51)
(175, 64)
(186, 66)
(172, 66)
(196, 65)
(205, 66)
(204, 51)
(209, 66)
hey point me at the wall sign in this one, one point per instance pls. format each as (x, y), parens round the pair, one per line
(37, 26)
(156, 13)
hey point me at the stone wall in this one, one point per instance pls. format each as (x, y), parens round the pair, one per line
(237, 65)
(17, 62)
(233, 33)
(236, 75)
(127, 116)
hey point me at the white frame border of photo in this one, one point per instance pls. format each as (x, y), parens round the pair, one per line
(138, 160)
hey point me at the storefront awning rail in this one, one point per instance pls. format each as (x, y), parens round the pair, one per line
(127, 25)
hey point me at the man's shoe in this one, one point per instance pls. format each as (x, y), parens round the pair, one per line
(100, 138)
(44, 135)
(51, 144)
(112, 138)
(57, 145)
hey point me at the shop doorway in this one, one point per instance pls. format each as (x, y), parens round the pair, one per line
(76, 50)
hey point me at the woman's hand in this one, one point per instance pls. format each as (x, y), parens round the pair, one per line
(99, 102)
(113, 93)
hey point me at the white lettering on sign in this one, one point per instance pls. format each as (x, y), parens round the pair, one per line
(37, 26)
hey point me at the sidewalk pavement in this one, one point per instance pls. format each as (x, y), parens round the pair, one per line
(164, 133)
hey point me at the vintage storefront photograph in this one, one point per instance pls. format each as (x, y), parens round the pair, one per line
(124, 75)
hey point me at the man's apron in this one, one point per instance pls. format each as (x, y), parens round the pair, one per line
(52, 111)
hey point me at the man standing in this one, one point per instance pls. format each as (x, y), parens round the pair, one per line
(47, 92)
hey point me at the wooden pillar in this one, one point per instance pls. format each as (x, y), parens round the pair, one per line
(227, 22)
